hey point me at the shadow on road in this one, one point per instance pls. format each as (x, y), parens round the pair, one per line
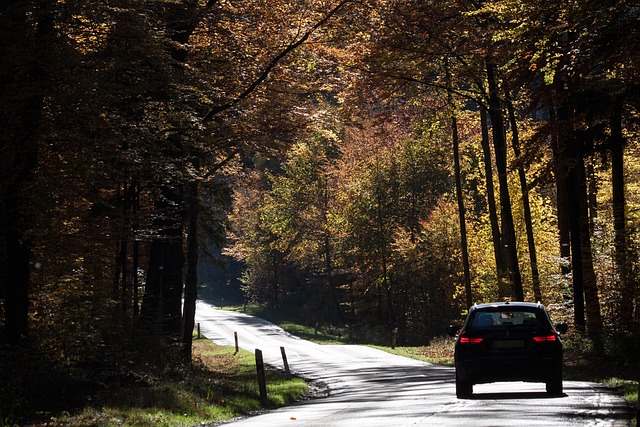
(513, 396)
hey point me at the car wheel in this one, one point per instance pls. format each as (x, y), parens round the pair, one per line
(554, 386)
(463, 388)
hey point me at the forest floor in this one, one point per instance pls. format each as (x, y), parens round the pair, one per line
(219, 385)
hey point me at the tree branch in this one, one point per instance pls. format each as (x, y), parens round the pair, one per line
(272, 64)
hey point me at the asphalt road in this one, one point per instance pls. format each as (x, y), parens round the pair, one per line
(369, 387)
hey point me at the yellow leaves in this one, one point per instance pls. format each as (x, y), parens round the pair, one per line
(88, 36)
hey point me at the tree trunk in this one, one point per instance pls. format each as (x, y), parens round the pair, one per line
(275, 301)
(191, 279)
(560, 170)
(136, 250)
(27, 84)
(499, 144)
(570, 157)
(330, 280)
(461, 210)
(162, 301)
(515, 141)
(498, 249)
(573, 200)
(624, 277)
(17, 280)
(567, 180)
(136, 257)
(591, 298)
(586, 299)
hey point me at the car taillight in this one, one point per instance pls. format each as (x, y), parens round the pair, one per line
(464, 339)
(545, 338)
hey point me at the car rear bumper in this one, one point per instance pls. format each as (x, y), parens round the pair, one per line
(482, 370)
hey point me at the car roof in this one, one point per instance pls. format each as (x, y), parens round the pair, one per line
(507, 304)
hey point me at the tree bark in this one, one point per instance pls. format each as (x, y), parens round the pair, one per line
(573, 200)
(136, 250)
(560, 171)
(567, 181)
(585, 291)
(191, 279)
(162, 300)
(499, 144)
(461, 211)
(498, 248)
(591, 298)
(20, 133)
(624, 277)
(524, 187)
(330, 280)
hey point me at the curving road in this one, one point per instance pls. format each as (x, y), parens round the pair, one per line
(368, 387)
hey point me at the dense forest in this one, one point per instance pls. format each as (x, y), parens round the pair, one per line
(382, 164)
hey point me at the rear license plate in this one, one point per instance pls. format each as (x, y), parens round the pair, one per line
(509, 344)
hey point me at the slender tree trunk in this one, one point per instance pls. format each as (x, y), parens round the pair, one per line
(591, 298)
(625, 280)
(124, 300)
(498, 249)
(16, 286)
(573, 198)
(586, 299)
(461, 210)
(592, 195)
(136, 250)
(191, 279)
(136, 284)
(560, 171)
(328, 259)
(499, 143)
(118, 249)
(275, 280)
(330, 280)
(129, 212)
(382, 248)
(515, 141)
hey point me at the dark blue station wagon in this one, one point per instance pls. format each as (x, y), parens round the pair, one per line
(508, 341)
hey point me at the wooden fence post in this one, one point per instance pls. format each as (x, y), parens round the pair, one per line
(262, 384)
(235, 337)
(286, 363)
(394, 338)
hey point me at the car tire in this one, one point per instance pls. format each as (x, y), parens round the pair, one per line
(554, 386)
(463, 388)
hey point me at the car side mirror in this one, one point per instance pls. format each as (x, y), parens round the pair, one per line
(562, 327)
(452, 330)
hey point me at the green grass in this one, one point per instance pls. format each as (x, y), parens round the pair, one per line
(439, 351)
(221, 385)
(320, 335)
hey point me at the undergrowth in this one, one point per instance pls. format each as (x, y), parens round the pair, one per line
(219, 385)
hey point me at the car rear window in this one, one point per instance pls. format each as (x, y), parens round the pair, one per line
(490, 319)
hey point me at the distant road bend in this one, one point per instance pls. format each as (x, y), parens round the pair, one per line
(368, 387)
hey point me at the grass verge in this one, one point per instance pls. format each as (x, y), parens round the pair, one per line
(220, 385)
(318, 334)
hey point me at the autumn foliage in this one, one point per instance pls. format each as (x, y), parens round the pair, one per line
(334, 148)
